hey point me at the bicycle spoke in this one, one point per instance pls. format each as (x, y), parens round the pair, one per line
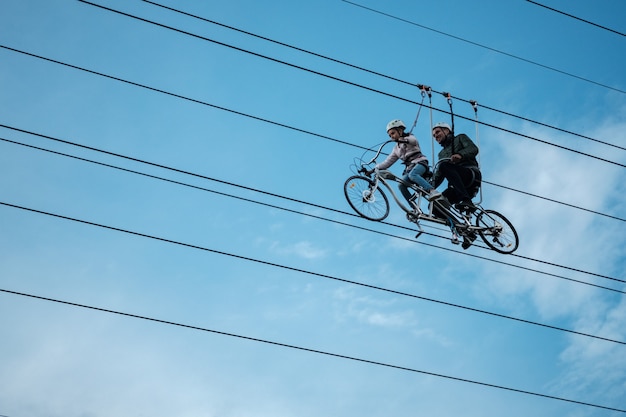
(366, 199)
(497, 231)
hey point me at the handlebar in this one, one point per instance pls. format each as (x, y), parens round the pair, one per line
(439, 162)
(363, 170)
(380, 148)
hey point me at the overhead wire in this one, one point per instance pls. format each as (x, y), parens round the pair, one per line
(304, 271)
(576, 18)
(395, 236)
(354, 84)
(239, 113)
(297, 201)
(569, 74)
(157, 90)
(369, 71)
(552, 200)
(175, 95)
(310, 350)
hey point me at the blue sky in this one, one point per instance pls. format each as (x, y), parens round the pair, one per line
(239, 224)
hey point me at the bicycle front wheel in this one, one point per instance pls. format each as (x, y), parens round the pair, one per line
(366, 200)
(497, 231)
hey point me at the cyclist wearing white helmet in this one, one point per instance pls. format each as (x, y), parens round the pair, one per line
(408, 150)
(461, 169)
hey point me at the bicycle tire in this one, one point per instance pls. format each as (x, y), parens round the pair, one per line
(497, 231)
(372, 206)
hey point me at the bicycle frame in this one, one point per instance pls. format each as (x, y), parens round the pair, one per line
(459, 223)
(455, 219)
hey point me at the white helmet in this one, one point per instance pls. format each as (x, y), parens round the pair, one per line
(395, 123)
(442, 125)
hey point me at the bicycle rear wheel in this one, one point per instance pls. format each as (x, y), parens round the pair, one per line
(497, 231)
(373, 205)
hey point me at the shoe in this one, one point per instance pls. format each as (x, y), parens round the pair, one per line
(466, 205)
(468, 240)
(434, 195)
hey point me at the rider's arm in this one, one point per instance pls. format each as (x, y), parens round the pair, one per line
(468, 150)
(410, 139)
(391, 159)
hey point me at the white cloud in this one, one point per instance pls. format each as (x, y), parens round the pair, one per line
(595, 367)
(571, 237)
(302, 249)
(551, 231)
(371, 311)
(384, 313)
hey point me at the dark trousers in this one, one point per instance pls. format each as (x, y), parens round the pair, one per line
(459, 177)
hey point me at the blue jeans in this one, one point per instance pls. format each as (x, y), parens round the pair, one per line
(415, 176)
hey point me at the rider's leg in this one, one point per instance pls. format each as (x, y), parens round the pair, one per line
(404, 189)
(468, 239)
(416, 175)
(457, 176)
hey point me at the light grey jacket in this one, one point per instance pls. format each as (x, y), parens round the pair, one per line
(407, 150)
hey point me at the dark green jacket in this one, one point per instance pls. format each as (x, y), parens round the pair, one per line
(462, 145)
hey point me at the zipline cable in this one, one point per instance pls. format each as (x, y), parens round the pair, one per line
(314, 72)
(304, 271)
(241, 113)
(309, 350)
(374, 72)
(289, 127)
(334, 78)
(300, 202)
(135, 84)
(157, 90)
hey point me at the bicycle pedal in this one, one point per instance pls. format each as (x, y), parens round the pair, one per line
(413, 217)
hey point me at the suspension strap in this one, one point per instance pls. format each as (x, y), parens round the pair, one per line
(419, 109)
(427, 90)
(474, 104)
(449, 98)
